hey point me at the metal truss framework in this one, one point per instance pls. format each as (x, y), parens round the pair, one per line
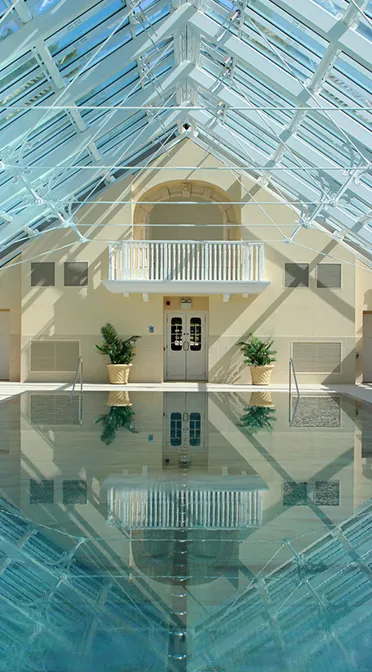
(276, 89)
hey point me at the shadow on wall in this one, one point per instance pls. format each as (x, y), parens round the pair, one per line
(73, 308)
(230, 366)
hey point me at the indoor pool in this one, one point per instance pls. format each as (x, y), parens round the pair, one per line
(224, 532)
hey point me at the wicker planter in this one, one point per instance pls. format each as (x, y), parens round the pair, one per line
(261, 375)
(118, 373)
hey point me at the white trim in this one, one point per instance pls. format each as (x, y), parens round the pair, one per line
(189, 287)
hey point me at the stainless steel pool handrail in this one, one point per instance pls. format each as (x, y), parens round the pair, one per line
(292, 370)
(79, 369)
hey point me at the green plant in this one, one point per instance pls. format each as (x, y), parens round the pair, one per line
(119, 351)
(118, 417)
(257, 418)
(257, 352)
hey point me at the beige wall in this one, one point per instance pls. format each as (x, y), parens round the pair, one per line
(10, 299)
(363, 304)
(286, 314)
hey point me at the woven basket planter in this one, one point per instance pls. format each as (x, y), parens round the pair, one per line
(261, 375)
(118, 373)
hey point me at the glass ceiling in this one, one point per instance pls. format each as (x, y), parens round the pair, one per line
(280, 89)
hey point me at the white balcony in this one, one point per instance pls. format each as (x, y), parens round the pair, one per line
(186, 267)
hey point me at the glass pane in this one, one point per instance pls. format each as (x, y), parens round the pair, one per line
(195, 427)
(195, 334)
(175, 429)
(176, 333)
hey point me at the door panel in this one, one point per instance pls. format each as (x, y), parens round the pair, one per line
(186, 346)
(175, 368)
(196, 352)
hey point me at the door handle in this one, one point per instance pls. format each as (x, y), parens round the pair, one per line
(185, 346)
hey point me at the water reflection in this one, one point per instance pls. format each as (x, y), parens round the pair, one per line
(184, 531)
(120, 416)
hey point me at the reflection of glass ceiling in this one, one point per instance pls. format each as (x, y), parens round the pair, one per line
(264, 82)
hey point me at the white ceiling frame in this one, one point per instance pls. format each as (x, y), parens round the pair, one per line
(97, 75)
(208, 122)
(77, 184)
(275, 76)
(319, 76)
(44, 25)
(323, 23)
(74, 145)
(202, 79)
(49, 66)
(217, 150)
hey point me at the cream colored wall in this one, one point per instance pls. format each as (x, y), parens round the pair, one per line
(176, 215)
(363, 304)
(77, 313)
(10, 299)
(286, 314)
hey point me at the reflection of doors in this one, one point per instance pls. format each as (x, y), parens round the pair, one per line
(367, 347)
(186, 418)
(4, 344)
(186, 346)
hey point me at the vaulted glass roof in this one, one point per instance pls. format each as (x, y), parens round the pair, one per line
(280, 89)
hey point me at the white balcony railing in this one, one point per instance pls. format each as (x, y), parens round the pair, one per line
(222, 261)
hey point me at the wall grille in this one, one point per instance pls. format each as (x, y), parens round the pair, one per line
(42, 274)
(76, 273)
(329, 276)
(297, 275)
(54, 355)
(317, 357)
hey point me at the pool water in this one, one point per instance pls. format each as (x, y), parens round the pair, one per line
(185, 532)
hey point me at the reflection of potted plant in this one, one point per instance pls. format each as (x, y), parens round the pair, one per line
(121, 354)
(261, 399)
(259, 356)
(257, 419)
(120, 398)
(118, 417)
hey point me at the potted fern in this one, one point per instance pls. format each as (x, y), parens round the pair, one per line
(260, 357)
(120, 352)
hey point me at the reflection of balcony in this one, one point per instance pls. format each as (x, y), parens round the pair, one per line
(177, 507)
(186, 267)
